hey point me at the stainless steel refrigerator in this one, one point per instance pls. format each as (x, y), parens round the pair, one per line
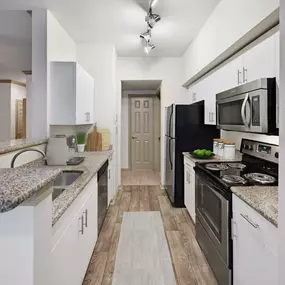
(185, 132)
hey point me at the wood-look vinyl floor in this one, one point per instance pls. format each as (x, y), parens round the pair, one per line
(189, 263)
(140, 177)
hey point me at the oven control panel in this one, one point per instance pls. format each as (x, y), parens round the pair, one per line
(261, 150)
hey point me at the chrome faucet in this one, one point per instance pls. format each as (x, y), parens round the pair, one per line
(25, 150)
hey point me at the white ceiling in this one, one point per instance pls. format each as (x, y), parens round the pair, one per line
(121, 21)
(141, 84)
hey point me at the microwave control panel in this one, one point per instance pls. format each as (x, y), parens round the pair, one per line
(255, 111)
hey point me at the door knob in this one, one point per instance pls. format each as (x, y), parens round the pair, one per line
(134, 138)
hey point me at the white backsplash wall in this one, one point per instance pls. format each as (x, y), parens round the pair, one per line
(69, 130)
(238, 136)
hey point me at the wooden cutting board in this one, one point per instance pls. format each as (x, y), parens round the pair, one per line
(94, 141)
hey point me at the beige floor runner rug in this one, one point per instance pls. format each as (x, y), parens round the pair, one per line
(143, 256)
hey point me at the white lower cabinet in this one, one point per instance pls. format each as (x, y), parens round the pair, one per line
(189, 188)
(255, 245)
(72, 251)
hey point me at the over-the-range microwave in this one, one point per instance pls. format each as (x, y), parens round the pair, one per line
(248, 108)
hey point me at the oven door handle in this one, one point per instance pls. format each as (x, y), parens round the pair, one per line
(246, 121)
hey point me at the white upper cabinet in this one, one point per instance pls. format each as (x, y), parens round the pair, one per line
(72, 95)
(209, 90)
(230, 75)
(259, 61)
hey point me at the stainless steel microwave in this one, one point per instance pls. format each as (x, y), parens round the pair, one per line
(248, 108)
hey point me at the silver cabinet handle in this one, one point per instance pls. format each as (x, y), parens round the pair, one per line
(213, 118)
(87, 117)
(109, 173)
(189, 178)
(256, 226)
(86, 218)
(244, 71)
(82, 225)
(210, 117)
(134, 138)
(238, 76)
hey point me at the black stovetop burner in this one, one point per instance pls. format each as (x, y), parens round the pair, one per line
(241, 173)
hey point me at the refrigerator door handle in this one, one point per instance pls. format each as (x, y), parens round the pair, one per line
(169, 153)
(170, 121)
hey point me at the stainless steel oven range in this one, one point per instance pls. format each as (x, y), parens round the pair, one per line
(248, 108)
(259, 166)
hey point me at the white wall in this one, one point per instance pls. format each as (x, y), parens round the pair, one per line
(169, 70)
(9, 93)
(50, 43)
(60, 47)
(99, 60)
(238, 136)
(228, 23)
(17, 92)
(281, 213)
(125, 123)
(37, 101)
(17, 76)
(5, 105)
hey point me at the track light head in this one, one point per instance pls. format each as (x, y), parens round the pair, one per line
(152, 19)
(149, 47)
(146, 36)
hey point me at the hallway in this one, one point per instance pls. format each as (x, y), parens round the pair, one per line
(189, 263)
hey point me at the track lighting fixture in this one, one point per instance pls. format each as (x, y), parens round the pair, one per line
(151, 19)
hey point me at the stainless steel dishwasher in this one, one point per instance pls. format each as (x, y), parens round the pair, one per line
(102, 194)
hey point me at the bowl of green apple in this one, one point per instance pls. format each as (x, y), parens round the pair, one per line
(202, 153)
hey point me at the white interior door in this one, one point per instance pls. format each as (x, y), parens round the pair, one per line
(142, 133)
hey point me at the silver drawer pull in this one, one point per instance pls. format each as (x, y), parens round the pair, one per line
(256, 226)
(86, 217)
(82, 225)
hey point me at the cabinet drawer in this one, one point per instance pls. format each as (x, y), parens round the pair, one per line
(258, 227)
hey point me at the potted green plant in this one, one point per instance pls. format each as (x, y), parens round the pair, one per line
(81, 139)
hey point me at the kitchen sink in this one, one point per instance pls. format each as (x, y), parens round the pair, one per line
(63, 181)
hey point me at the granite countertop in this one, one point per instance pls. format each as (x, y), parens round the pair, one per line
(13, 145)
(262, 199)
(213, 159)
(92, 163)
(19, 184)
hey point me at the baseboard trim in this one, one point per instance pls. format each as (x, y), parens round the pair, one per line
(125, 169)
